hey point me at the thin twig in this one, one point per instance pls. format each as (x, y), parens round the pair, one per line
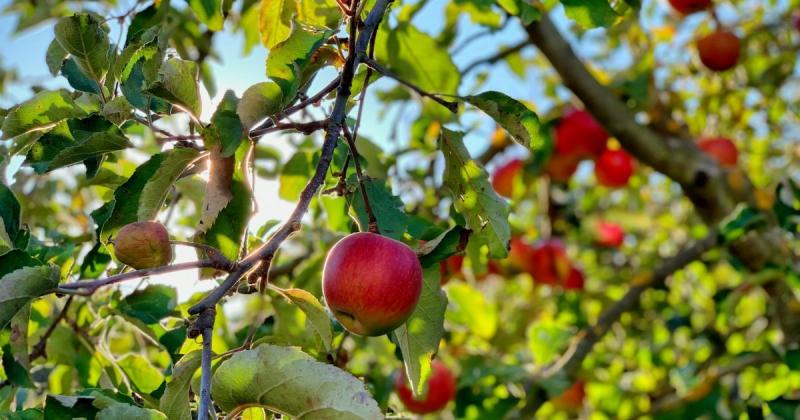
(205, 410)
(497, 57)
(39, 349)
(452, 106)
(351, 142)
(86, 288)
(266, 125)
(303, 127)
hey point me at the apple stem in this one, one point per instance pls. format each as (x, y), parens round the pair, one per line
(373, 222)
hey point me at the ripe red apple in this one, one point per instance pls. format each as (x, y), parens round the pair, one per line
(610, 235)
(143, 245)
(614, 168)
(572, 398)
(575, 280)
(720, 50)
(503, 179)
(549, 263)
(441, 389)
(451, 267)
(560, 167)
(519, 254)
(720, 148)
(578, 133)
(371, 283)
(796, 19)
(690, 6)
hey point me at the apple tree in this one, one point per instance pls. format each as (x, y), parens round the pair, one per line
(510, 209)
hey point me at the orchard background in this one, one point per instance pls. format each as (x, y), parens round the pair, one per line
(603, 200)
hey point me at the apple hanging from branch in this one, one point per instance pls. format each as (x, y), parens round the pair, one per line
(720, 148)
(719, 50)
(687, 7)
(614, 168)
(371, 283)
(143, 245)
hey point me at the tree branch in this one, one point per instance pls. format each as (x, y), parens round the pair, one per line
(452, 106)
(351, 142)
(39, 349)
(86, 288)
(497, 57)
(269, 123)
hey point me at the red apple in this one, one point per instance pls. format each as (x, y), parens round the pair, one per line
(451, 267)
(720, 148)
(371, 283)
(610, 235)
(143, 245)
(690, 6)
(575, 280)
(572, 398)
(441, 390)
(796, 19)
(578, 133)
(503, 179)
(519, 254)
(549, 263)
(614, 168)
(560, 168)
(719, 51)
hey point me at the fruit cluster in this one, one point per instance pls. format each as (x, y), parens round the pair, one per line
(719, 50)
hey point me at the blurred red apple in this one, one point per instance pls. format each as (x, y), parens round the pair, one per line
(519, 254)
(549, 263)
(560, 168)
(503, 179)
(371, 283)
(720, 148)
(143, 245)
(579, 134)
(720, 50)
(609, 234)
(614, 168)
(690, 6)
(572, 398)
(451, 267)
(441, 390)
(796, 19)
(574, 280)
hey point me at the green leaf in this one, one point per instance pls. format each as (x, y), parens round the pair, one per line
(129, 412)
(416, 57)
(317, 320)
(142, 195)
(208, 12)
(743, 220)
(258, 102)
(292, 383)
(77, 79)
(21, 286)
(443, 246)
(44, 109)
(227, 205)
(144, 376)
(520, 122)
(83, 37)
(9, 217)
(117, 110)
(275, 21)
(419, 337)
(151, 304)
(471, 310)
(288, 60)
(27, 414)
(547, 339)
(590, 13)
(486, 214)
(296, 173)
(55, 57)
(95, 145)
(177, 83)
(521, 8)
(387, 208)
(226, 128)
(175, 401)
(69, 407)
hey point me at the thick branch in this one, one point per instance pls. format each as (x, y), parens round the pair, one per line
(702, 178)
